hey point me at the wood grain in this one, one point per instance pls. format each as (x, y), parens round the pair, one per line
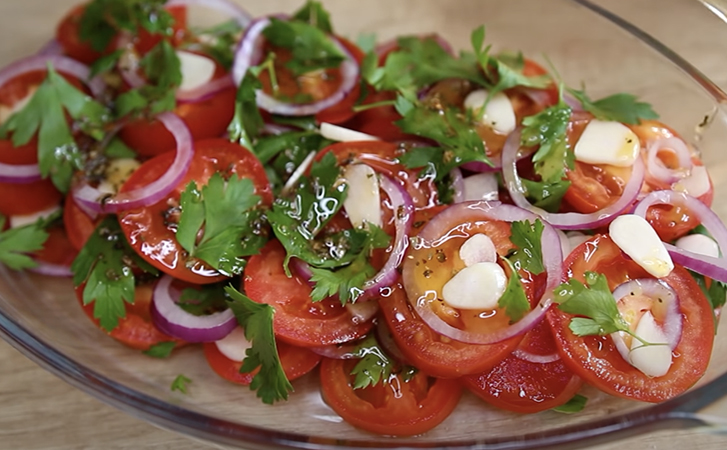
(39, 411)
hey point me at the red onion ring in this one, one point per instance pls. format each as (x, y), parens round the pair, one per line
(60, 63)
(652, 287)
(92, 199)
(20, 174)
(715, 268)
(388, 343)
(52, 47)
(50, 269)
(457, 183)
(176, 322)
(249, 53)
(570, 220)
(448, 221)
(657, 169)
(336, 351)
(242, 17)
(362, 312)
(533, 358)
(403, 206)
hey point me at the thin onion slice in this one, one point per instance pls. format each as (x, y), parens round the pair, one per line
(668, 299)
(169, 318)
(50, 269)
(403, 206)
(570, 220)
(91, 199)
(20, 174)
(658, 170)
(52, 47)
(249, 53)
(457, 183)
(60, 63)
(231, 9)
(708, 266)
(458, 215)
(533, 358)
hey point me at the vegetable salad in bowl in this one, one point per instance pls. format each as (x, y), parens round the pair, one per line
(401, 222)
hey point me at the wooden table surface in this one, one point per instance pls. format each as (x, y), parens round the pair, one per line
(39, 411)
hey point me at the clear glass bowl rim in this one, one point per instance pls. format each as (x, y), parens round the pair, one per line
(680, 412)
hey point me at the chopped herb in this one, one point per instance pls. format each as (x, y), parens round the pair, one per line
(104, 264)
(314, 14)
(247, 121)
(514, 300)
(617, 107)
(225, 212)
(374, 367)
(219, 42)
(527, 236)
(572, 406)
(509, 68)
(16, 243)
(58, 153)
(257, 320)
(208, 299)
(180, 383)
(103, 19)
(105, 63)
(312, 49)
(161, 350)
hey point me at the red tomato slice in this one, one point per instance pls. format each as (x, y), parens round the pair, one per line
(136, 330)
(57, 249)
(595, 358)
(146, 228)
(431, 352)
(296, 362)
(397, 408)
(78, 224)
(67, 34)
(523, 386)
(205, 119)
(297, 319)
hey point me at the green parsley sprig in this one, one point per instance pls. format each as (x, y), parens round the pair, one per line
(270, 382)
(221, 223)
(17, 243)
(620, 107)
(105, 264)
(59, 156)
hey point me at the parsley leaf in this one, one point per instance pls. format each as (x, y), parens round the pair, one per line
(374, 367)
(297, 221)
(312, 48)
(620, 107)
(205, 300)
(347, 281)
(180, 383)
(102, 19)
(218, 41)
(247, 121)
(514, 300)
(527, 236)
(572, 406)
(161, 349)
(257, 320)
(459, 142)
(58, 153)
(314, 14)
(105, 265)
(15, 243)
(545, 195)
(594, 301)
(232, 223)
(509, 68)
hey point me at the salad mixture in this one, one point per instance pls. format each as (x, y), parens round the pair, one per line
(406, 221)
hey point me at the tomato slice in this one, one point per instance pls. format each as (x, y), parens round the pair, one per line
(596, 359)
(57, 249)
(297, 319)
(523, 386)
(136, 330)
(296, 362)
(68, 36)
(78, 224)
(397, 408)
(148, 230)
(431, 352)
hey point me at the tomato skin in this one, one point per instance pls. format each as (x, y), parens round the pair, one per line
(79, 226)
(145, 228)
(57, 249)
(343, 110)
(136, 330)
(67, 34)
(296, 362)
(595, 358)
(523, 386)
(431, 352)
(297, 319)
(205, 119)
(398, 409)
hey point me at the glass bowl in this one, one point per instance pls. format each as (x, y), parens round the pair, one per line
(587, 44)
